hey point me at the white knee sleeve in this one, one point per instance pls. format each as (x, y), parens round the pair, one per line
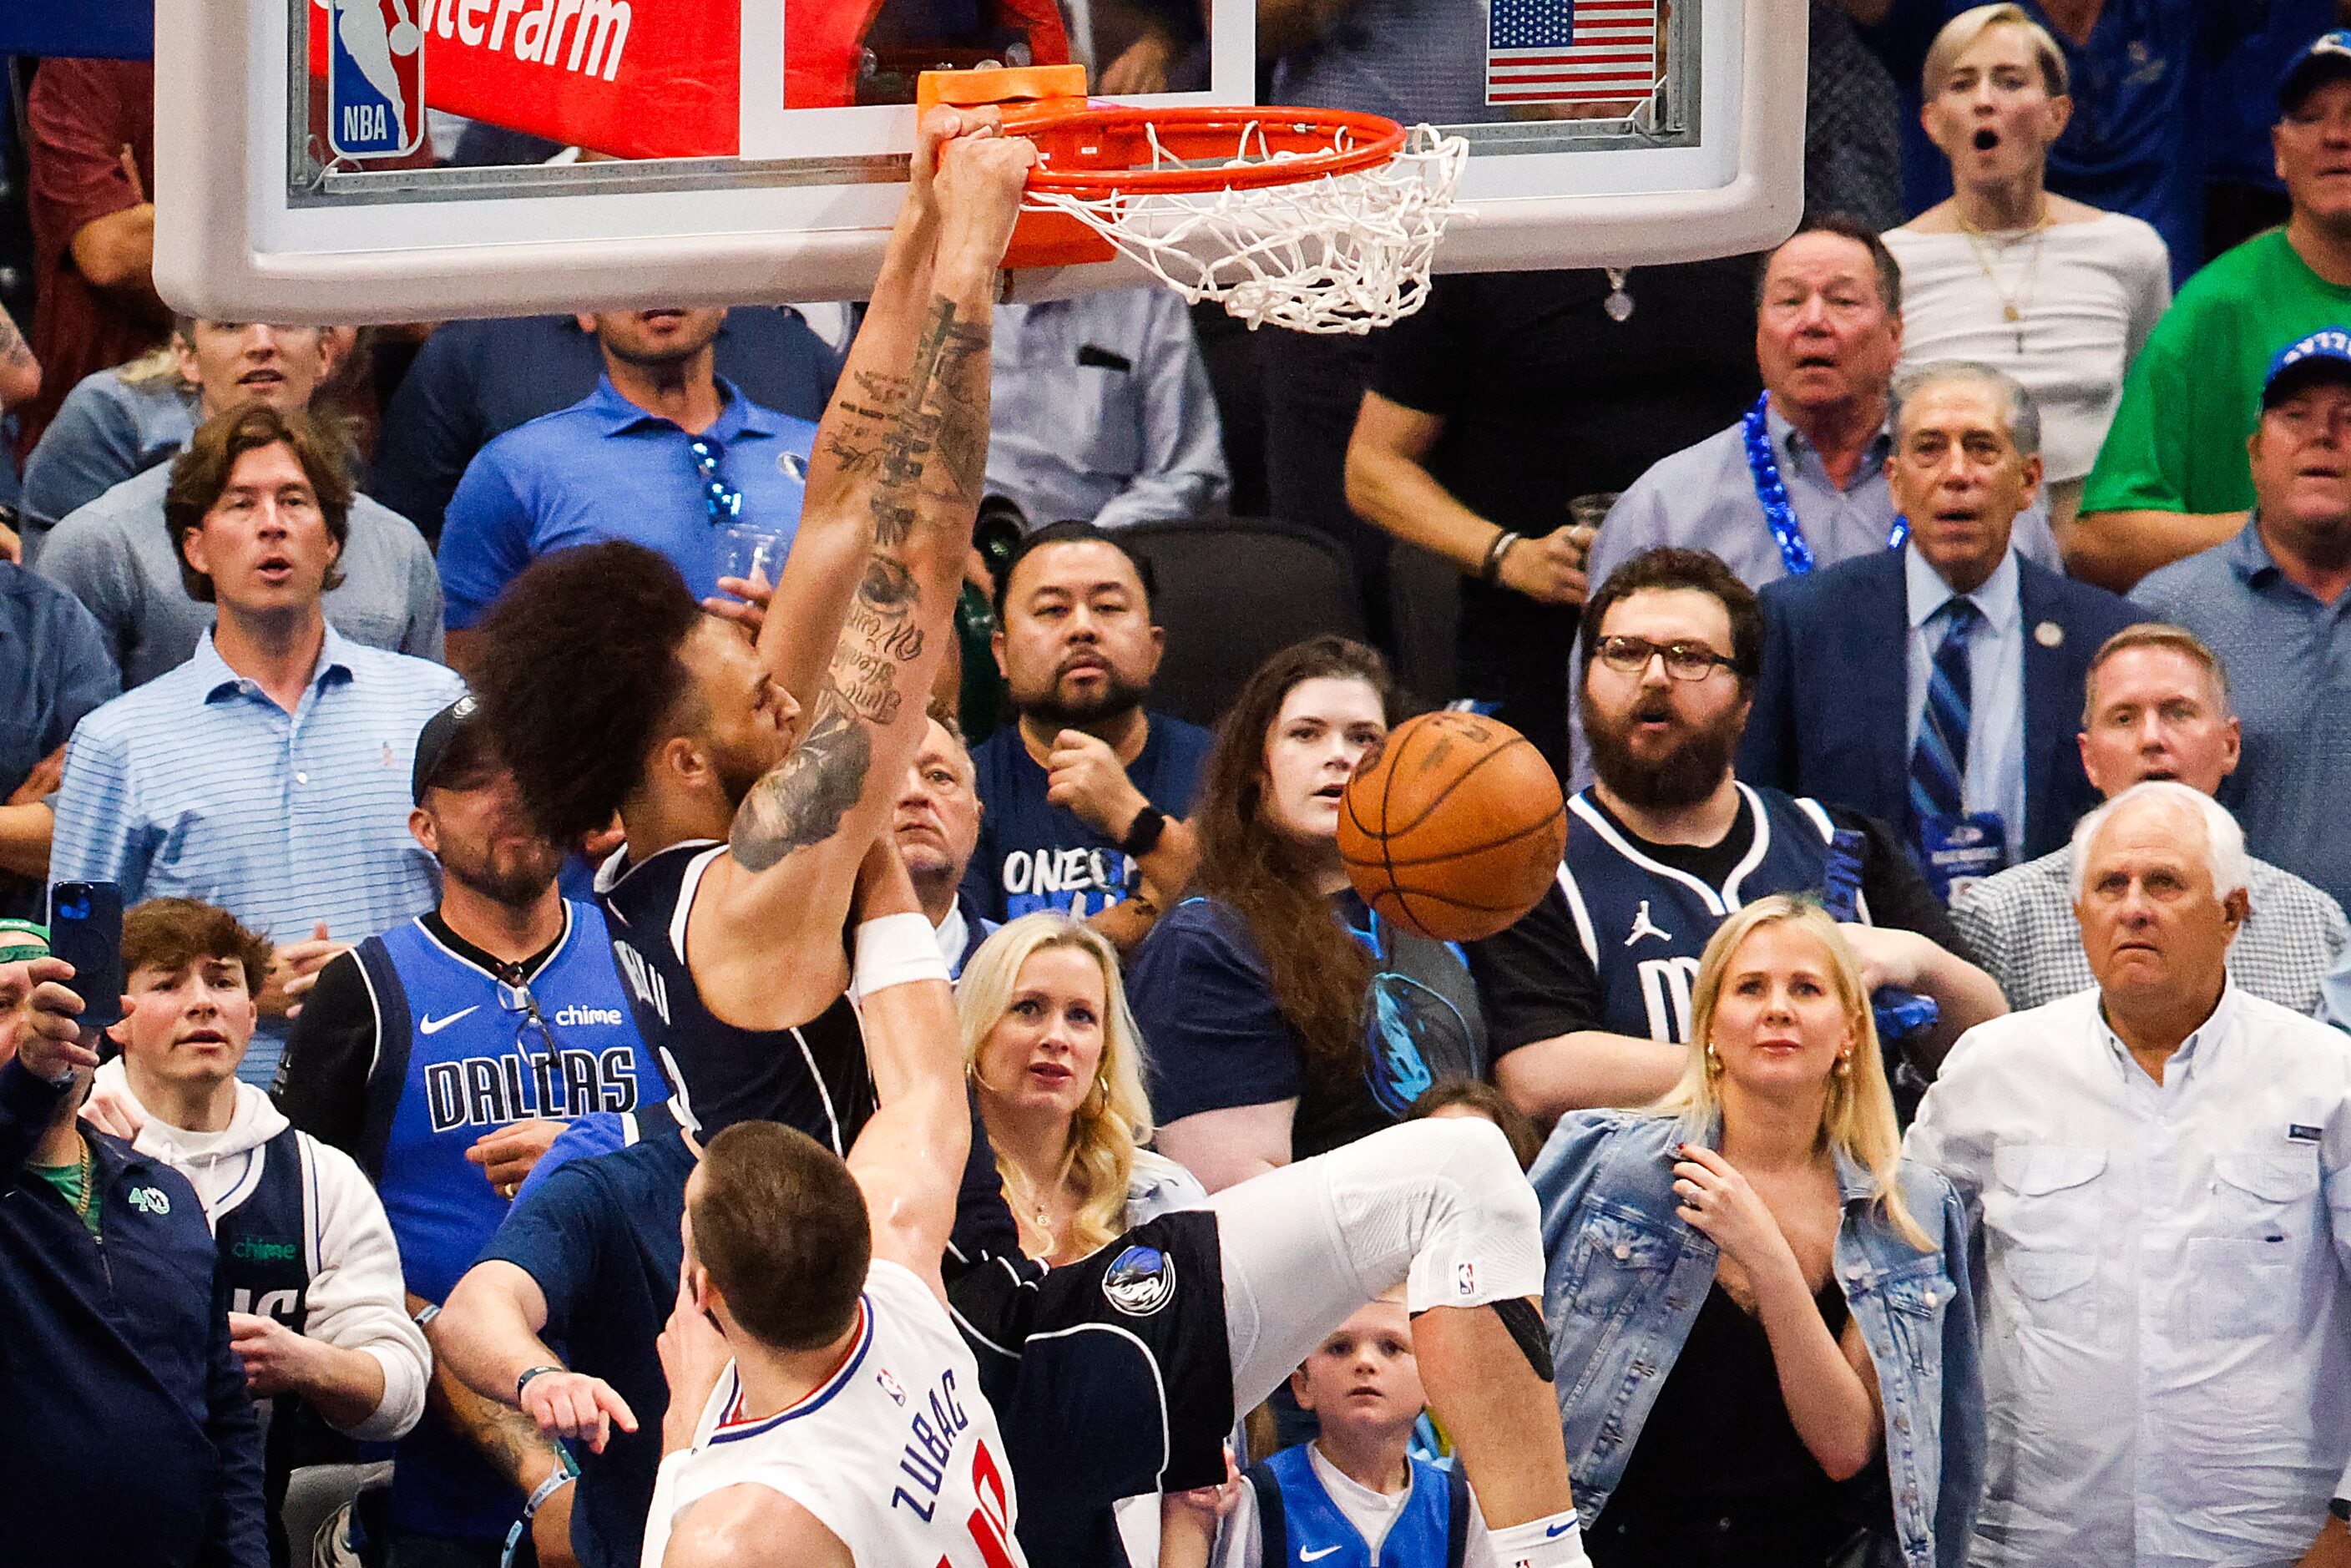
(1439, 1206)
(1442, 1206)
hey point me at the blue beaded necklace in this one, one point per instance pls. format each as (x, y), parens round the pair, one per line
(1779, 512)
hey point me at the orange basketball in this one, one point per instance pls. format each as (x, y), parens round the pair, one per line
(1453, 826)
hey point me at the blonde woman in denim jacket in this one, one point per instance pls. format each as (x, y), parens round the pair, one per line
(1761, 1354)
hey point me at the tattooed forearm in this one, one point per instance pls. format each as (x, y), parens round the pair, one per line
(803, 798)
(944, 415)
(878, 638)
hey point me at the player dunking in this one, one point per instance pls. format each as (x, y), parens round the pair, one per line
(850, 1427)
(611, 690)
(839, 1420)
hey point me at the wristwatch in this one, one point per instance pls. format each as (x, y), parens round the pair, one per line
(1142, 833)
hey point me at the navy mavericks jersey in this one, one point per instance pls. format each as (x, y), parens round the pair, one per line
(268, 1238)
(1644, 925)
(267, 1234)
(812, 1076)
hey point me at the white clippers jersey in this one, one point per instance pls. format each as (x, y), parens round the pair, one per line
(896, 1453)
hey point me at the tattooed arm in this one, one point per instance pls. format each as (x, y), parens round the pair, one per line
(20, 373)
(828, 554)
(801, 834)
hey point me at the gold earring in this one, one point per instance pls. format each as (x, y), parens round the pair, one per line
(1713, 1058)
(1844, 1063)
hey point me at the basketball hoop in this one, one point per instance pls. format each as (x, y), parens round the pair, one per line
(1317, 220)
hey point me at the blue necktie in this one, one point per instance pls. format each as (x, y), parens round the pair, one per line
(1938, 767)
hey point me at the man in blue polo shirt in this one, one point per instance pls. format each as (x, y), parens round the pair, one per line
(2275, 602)
(665, 453)
(265, 774)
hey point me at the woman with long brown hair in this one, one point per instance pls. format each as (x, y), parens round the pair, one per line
(1284, 1017)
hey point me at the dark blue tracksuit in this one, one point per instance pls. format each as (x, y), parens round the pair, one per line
(125, 1433)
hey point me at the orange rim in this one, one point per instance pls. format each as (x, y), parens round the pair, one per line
(1075, 141)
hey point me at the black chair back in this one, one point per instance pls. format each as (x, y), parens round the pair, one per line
(1231, 592)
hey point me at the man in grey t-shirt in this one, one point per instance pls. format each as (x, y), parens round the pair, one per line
(116, 557)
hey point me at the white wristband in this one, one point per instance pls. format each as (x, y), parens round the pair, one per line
(895, 950)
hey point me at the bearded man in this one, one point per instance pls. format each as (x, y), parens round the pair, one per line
(1588, 997)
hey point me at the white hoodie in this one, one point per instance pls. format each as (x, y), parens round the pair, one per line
(357, 1299)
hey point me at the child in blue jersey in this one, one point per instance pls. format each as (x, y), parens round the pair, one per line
(1355, 1497)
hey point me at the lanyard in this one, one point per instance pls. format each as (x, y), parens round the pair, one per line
(1779, 512)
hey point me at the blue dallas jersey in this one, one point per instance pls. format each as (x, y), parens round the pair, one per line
(459, 1054)
(1298, 1522)
(1644, 925)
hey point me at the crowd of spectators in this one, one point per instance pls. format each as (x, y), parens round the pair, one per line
(1932, 1057)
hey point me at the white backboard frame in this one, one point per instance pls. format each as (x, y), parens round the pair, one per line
(234, 242)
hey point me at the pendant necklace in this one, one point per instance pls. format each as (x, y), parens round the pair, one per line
(1619, 303)
(2011, 306)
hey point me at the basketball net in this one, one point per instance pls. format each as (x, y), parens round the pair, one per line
(1337, 253)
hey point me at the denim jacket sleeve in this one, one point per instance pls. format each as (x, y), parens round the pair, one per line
(1562, 1173)
(1963, 1407)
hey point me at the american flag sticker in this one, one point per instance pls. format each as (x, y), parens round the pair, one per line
(1571, 51)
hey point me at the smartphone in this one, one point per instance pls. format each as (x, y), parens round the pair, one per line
(86, 931)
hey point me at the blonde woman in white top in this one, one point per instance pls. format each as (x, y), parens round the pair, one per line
(2058, 294)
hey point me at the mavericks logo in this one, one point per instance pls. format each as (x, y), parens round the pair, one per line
(1140, 1280)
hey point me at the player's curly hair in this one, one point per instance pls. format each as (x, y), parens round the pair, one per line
(1320, 974)
(578, 674)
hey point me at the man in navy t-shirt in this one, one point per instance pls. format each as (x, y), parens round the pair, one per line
(595, 1248)
(1085, 794)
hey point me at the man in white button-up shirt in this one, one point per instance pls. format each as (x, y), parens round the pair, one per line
(2160, 1169)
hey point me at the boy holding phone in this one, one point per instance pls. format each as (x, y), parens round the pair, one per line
(317, 1309)
(113, 1299)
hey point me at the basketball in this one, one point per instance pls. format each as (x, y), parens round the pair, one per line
(1453, 826)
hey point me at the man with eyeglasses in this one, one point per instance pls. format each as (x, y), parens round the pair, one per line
(666, 453)
(1587, 995)
(1953, 661)
(445, 1056)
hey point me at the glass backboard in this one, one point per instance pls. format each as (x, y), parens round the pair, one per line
(391, 159)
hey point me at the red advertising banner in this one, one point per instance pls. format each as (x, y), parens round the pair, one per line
(641, 79)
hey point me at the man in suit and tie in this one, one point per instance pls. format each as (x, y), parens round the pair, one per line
(1933, 686)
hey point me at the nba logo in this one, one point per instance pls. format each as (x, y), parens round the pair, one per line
(1464, 1279)
(375, 78)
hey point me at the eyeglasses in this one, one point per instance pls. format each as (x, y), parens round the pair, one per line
(722, 503)
(1684, 660)
(515, 998)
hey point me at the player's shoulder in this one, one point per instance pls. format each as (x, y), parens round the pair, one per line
(750, 1525)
